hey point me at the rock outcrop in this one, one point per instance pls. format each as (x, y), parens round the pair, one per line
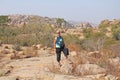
(44, 67)
(84, 25)
(86, 69)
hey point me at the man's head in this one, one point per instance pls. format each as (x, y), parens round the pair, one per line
(58, 32)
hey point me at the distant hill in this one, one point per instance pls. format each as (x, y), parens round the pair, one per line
(108, 23)
(111, 28)
(21, 20)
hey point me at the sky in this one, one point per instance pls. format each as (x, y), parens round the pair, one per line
(93, 11)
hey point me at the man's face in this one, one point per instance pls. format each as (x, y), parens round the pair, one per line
(58, 33)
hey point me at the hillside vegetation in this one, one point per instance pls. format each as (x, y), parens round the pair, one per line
(29, 30)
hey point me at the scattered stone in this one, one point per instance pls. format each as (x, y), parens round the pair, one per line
(73, 53)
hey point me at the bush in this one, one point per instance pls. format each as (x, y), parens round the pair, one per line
(3, 20)
(17, 47)
(116, 33)
(27, 35)
(93, 42)
(88, 32)
(72, 42)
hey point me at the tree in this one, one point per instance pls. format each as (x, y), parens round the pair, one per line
(116, 34)
(59, 22)
(3, 20)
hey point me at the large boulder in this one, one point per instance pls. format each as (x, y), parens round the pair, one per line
(66, 67)
(89, 69)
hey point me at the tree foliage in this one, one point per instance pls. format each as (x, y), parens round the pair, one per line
(3, 20)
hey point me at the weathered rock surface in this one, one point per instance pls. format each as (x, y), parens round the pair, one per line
(44, 67)
(89, 69)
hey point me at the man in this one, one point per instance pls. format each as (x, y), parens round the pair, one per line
(59, 46)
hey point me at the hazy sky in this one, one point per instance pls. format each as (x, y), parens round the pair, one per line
(76, 10)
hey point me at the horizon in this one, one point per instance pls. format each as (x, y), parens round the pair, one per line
(79, 11)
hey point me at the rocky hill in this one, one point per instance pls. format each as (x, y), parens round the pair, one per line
(22, 20)
(111, 27)
(111, 22)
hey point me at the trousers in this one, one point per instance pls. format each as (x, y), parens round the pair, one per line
(58, 53)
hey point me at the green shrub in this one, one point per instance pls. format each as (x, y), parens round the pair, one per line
(87, 32)
(116, 33)
(3, 20)
(59, 22)
(16, 47)
(93, 42)
(72, 42)
(71, 39)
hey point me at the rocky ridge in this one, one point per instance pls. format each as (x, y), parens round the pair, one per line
(22, 20)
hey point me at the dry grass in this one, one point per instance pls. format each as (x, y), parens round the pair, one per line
(103, 61)
(113, 70)
(74, 47)
(115, 49)
(77, 60)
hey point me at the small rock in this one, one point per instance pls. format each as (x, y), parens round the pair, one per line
(73, 53)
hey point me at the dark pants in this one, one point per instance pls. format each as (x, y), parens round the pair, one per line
(58, 53)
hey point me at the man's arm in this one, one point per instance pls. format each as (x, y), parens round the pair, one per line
(55, 43)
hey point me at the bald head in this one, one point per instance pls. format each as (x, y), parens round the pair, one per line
(58, 32)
